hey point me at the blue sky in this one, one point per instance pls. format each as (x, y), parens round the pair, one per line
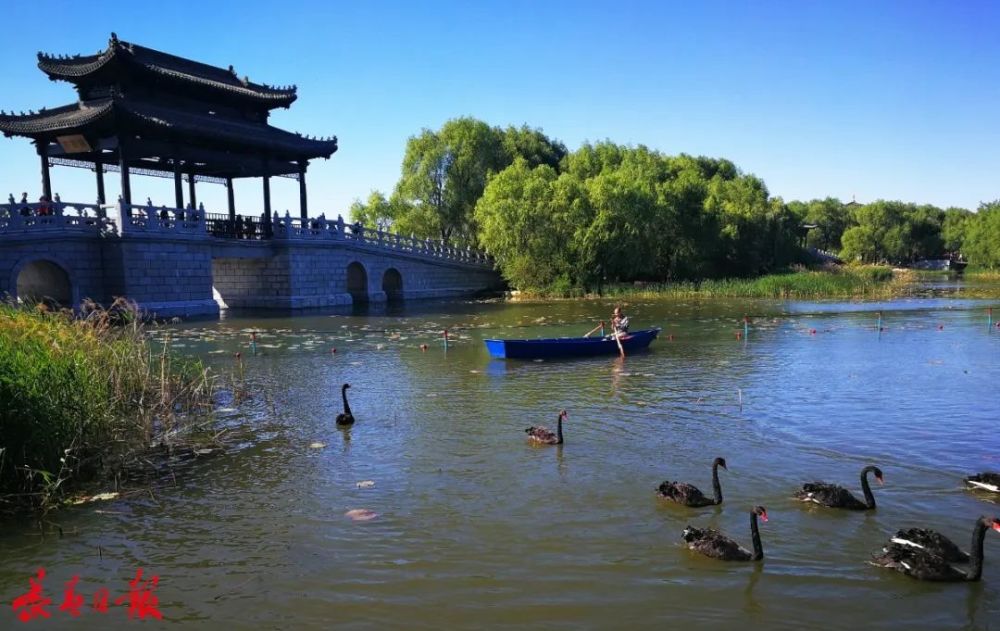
(893, 100)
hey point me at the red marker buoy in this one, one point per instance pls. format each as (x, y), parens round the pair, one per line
(333, 351)
(423, 347)
(739, 335)
(670, 338)
(940, 327)
(812, 331)
(239, 355)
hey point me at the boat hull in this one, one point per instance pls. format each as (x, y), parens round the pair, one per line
(569, 346)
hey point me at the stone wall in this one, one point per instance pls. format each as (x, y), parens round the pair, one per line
(311, 275)
(171, 274)
(78, 255)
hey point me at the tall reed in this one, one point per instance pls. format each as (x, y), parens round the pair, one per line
(79, 395)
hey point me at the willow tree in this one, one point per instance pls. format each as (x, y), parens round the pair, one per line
(444, 173)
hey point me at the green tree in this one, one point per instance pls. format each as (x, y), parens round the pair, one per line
(527, 218)
(533, 145)
(982, 236)
(953, 228)
(444, 174)
(831, 219)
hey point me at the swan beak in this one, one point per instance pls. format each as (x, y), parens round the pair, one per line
(879, 479)
(996, 525)
(763, 517)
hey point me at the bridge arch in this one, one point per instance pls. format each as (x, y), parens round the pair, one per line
(392, 285)
(357, 282)
(44, 280)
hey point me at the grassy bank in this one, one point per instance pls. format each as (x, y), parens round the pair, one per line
(81, 396)
(846, 282)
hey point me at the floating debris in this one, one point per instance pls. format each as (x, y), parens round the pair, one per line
(317, 445)
(366, 484)
(361, 514)
(100, 497)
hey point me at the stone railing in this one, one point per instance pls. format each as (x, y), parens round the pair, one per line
(51, 216)
(320, 228)
(147, 218)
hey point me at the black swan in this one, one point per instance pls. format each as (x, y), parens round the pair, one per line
(345, 417)
(924, 565)
(835, 496)
(689, 494)
(931, 541)
(713, 543)
(545, 436)
(987, 481)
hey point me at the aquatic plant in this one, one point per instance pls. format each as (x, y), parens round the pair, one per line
(847, 282)
(82, 393)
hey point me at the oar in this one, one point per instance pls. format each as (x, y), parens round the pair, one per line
(619, 340)
(591, 331)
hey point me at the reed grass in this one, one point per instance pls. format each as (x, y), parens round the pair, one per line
(846, 282)
(81, 395)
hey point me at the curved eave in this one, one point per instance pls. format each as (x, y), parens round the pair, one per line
(54, 121)
(270, 96)
(76, 67)
(79, 69)
(263, 138)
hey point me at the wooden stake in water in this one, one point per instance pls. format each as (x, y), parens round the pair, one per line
(746, 326)
(446, 339)
(739, 393)
(878, 325)
(253, 342)
(989, 317)
(602, 328)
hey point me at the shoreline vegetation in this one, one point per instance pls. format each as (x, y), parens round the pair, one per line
(562, 223)
(85, 398)
(854, 282)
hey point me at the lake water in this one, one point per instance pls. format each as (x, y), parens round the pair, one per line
(476, 528)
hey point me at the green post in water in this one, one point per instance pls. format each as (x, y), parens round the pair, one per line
(253, 343)
(446, 339)
(746, 326)
(878, 324)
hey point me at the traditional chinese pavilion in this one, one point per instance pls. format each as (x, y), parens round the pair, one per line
(142, 111)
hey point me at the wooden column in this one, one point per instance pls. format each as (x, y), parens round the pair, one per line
(123, 166)
(303, 201)
(267, 227)
(232, 199)
(99, 169)
(178, 186)
(43, 153)
(191, 195)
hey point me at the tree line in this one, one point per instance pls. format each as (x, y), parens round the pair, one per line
(556, 220)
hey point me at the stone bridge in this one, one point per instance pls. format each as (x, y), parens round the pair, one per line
(177, 262)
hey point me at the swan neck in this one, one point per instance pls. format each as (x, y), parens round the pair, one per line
(758, 548)
(866, 488)
(716, 487)
(559, 434)
(343, 394)
(976, 551)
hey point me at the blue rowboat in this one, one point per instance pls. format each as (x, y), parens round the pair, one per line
(569, 346)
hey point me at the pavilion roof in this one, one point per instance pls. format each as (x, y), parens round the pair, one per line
(157, 121)
(107, 65)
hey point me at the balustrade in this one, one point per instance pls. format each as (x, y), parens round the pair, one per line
(50, 216)
(148, 218)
